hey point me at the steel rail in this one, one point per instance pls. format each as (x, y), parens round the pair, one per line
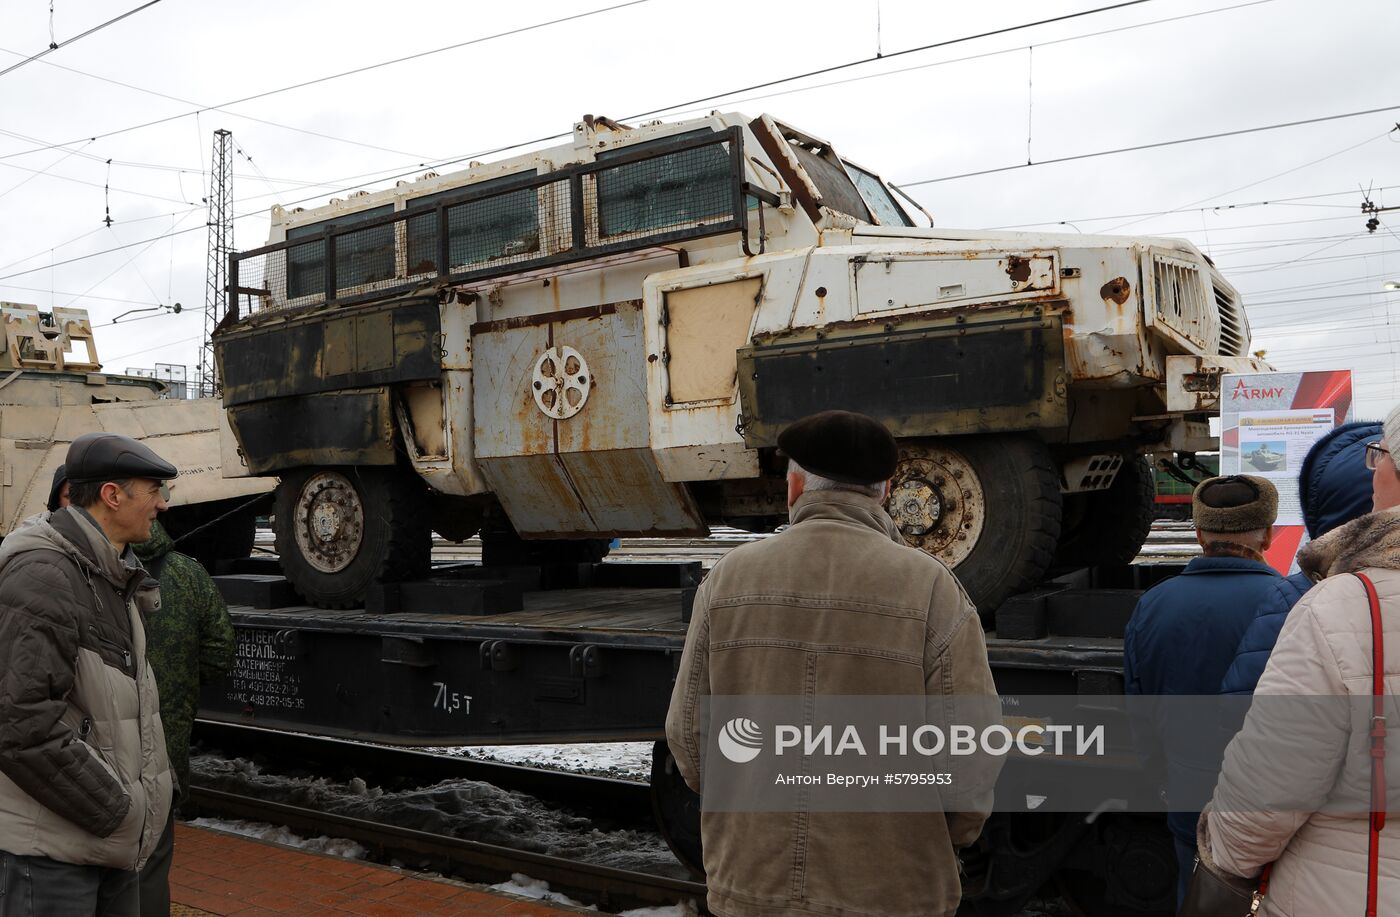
(610, 888)
(623, 800)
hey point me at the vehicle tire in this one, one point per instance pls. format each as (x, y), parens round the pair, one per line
(1109, 527)
(341, 529)
(676, 808)
(987, 506)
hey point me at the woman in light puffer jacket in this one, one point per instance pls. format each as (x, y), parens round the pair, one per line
(1295, 786)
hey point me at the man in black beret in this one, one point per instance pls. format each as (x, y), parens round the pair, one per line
(833, 605)
(1182, 637)
(85, 782)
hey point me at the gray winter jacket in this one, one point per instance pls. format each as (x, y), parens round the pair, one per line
(84, 777)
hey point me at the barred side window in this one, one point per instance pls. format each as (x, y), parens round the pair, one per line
(502, 226)
(361, 256)
(677, 189)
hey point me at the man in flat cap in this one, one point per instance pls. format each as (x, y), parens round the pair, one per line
(836, 605)
(85, 783)
(1182, 637)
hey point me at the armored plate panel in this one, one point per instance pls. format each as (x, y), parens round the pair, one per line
(578, 463)
(970, 373)
(331, 428)
(336, 350)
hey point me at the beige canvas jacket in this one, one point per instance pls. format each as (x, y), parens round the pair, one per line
(831, 606)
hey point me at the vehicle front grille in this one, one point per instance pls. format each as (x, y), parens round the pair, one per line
(1180, 297)
(1234, 339)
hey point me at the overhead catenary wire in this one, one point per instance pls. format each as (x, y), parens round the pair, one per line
(118, 299)
(381, 175)
(356, 70)
(949, 42)
(970, 57)
(266, 121)
(1218, 135)
(1267, 178)
(54, 46)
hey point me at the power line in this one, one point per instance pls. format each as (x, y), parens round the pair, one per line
(1269, 178)
(357, 70)
(277, 124)
(1275, 201)
(81, 181)
(1285, 302)
(106, 251)
(1261, 267)
(54, 46)
(1152, 146)
(877, 57)
(137, 353)
(970, 57)
(135, 302)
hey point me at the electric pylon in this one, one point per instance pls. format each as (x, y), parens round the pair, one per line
(220, 223)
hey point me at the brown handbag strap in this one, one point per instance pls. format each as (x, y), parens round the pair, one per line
(1378, 732)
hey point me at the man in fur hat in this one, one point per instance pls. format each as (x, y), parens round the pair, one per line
(1318, 758)
(1182, 637)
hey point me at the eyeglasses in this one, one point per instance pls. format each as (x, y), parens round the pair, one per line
(1374, 451)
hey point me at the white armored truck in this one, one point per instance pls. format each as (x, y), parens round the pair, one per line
(604, 338)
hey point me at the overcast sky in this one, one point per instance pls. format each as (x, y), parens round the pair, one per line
(1155, 71)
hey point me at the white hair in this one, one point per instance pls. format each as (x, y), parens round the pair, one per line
(1254, 538)
(811, 481)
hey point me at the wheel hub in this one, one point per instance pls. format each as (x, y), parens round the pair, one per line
(330, 523)
(916, 506)
(936, 501)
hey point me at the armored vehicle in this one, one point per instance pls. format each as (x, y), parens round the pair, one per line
(604, 338)
(52, 389)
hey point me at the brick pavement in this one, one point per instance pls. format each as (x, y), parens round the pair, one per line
(225, 875)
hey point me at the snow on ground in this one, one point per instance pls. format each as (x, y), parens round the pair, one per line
(526, 887)
(335, 846)
(623, 760)
(457, 808)
(475, 811)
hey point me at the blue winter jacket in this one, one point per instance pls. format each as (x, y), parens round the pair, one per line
(1259, 638)
(1334, 488)
(1180, 641)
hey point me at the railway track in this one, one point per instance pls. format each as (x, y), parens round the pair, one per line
(626, 801)
(620, 801)
(609, 888)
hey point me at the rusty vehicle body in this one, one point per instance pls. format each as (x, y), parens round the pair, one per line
(604, 338)
(52, 389)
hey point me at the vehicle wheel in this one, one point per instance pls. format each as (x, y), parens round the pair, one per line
(987, 506)
(341, 529)
(1109, 526)
(676, 808)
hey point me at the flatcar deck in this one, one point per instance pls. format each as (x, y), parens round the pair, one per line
(473, 657)
(614, 615)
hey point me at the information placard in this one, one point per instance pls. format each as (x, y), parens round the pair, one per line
(1268, 422)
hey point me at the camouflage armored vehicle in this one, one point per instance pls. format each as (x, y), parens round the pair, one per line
(52, 389)
(605, 337)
